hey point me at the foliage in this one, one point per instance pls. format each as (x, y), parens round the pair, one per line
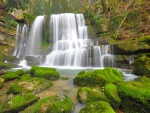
(18, 103)
(97, 107)
(55, 104)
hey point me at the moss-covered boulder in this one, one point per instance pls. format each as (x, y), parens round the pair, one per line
(45, 72)
(98, 77)
(20, 72)
(6, 65)
(10, 75)
(18, 103)
(97, 107)
(27, 84)
(111, 93)
(135, 96)
(142, 66)
(59, 103)
(2, 81)
(34, 68)
(86, 94)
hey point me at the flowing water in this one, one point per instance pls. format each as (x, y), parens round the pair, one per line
(71, 44)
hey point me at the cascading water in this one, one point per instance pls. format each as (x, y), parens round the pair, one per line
(71, 44)
(34, 40)
(21, 38)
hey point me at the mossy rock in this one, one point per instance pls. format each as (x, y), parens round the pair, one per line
(20, 72)
(25, 85)
(97, 107)
(111, 93)
(25, 77)
(47, 74)
(59, 103)
(142, 66)
(34, 68)
(10, 75)
(64, 78)
(98, 77)
(2, 81)
(86, 94)
(135, 96)
(18, 103)
(6, 65)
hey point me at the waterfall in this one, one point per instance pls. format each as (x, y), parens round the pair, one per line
(71, 45)
(34, 39)
(21, 38)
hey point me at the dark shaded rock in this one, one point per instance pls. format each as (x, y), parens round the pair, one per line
(135, 96)
(142, 66)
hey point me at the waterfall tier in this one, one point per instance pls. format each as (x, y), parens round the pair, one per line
(71, 45)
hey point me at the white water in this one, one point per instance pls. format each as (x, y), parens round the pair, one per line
(33, 46)
(21, 38)
(71, 44)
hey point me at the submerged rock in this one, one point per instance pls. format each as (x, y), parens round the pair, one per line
(59, 103)
(18, 103)
(98, 77)
(135, 96)
(97, 107)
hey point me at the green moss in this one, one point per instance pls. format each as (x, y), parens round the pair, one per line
(112, 94)
(15, 89)
(142, 66)
(64, 78)
(59, 103)
(25, 77)
(2, 81)
(25, 85)
(34, 68)
(135, 95)
(47, 74)
(17, 103)
(98, 77)
(20, 72)
(97, 107)
(5, 65)
(10, 75)
(132, 45)
(86, 94)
